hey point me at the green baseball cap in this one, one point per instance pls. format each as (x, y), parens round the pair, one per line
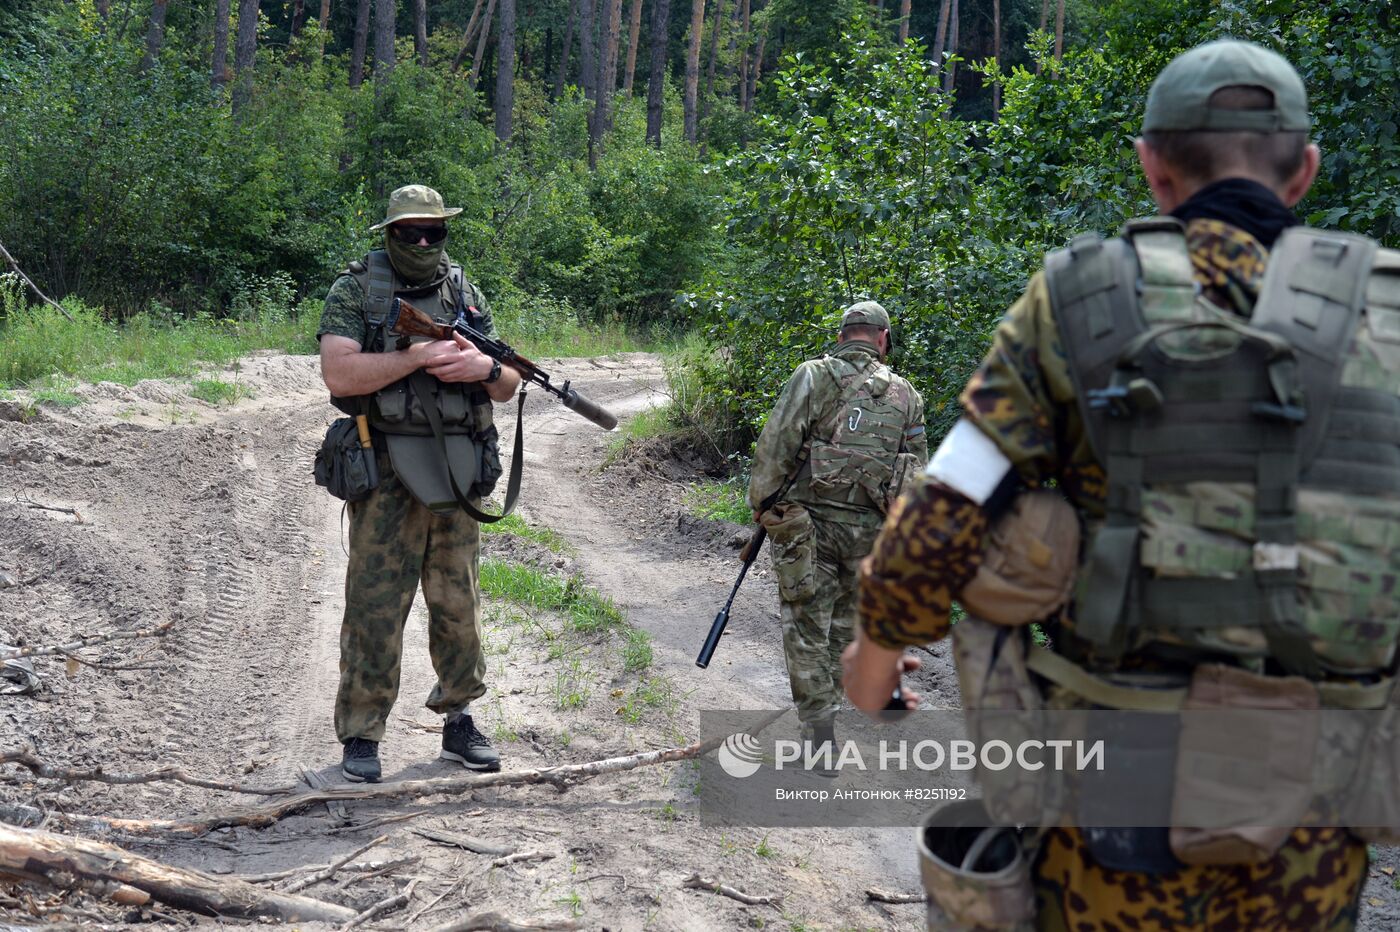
(1180, 97)
(865, 312)
(415, 202)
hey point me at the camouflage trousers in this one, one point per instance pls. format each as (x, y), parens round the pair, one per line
(818, 626)
(394, 543)
(1313, 883)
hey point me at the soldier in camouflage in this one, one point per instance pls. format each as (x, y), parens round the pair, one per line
(849, 430)
(1226, 154)
(396, 541)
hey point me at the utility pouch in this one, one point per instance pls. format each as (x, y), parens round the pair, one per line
(1372, 802)
(976, 877)
(790, 527)
(1029, 564)
(906, 466)
(488, 469)
(1002, 702)
(1253, 720)
(341, 465)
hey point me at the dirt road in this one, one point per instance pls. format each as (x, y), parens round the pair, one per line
(145, 505)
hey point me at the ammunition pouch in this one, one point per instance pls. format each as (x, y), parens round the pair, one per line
(906, 466)
(1029, 564)
(977, 878)
(794, 539)
(341, 466)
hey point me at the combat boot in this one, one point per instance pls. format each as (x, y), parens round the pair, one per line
(360, 761)
(824, 733)
(463, 743)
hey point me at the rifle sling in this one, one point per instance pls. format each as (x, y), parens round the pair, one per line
(419, 380)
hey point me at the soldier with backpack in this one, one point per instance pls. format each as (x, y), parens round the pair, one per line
(1216, 396)
(410, 528)
(846, 431)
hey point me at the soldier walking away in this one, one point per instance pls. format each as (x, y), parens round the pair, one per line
(1214, 392)
(410, 529)
(845, 433)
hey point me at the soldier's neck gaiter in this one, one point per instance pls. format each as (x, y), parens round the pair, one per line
(416, 265)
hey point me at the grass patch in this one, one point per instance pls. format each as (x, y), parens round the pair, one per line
(587, 611)
(719, 501)
(56, 390)
(644, 425)
(515, 525)
(636, 653)
(216, 392)
(765, 850)
(651, 693)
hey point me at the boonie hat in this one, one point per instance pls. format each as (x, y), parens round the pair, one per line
(865, 312)
(1180, 97)
(415, 202)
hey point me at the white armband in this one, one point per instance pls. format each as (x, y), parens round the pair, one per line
(967, 461)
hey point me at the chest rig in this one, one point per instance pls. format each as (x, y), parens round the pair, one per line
(1253, 466)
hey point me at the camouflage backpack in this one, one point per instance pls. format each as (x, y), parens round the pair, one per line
(857, 454)
(1253, 467)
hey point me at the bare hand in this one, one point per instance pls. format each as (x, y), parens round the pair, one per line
(872, 673)
(455, 360)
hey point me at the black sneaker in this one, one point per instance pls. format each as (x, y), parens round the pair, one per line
(360, 761)
(462, 742)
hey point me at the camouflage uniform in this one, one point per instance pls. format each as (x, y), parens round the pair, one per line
(817, 569)
(1023, 398)
(395, 542)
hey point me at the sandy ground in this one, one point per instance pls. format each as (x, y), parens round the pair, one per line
(207, 517)
(144, 505)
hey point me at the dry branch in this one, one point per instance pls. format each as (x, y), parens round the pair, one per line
(362, 868)
(29, 851)
(696, 882)
(881, 896)
(379, 870)
(522, 856)
(91, 640)
(428, 908)
(398, 901)
(33, 287)
(495, 922)
(45, 771)
(462, 841)
(329, 871)
(373, 823)
(262, 816)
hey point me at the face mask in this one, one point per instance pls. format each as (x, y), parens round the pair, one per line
(416, 265)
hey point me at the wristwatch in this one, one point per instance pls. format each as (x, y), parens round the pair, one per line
(495, 372)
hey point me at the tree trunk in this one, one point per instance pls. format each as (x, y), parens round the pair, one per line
(568, 47)
(155, 35)
(218, 65)
(607, 77)
(996, 56)
(324, 21)
(420, 31)
(385, 16)
(942, 33)
(357, 53)
(103, 8)
(715, 30)
(634, 35)
(757, 67)
(505, 72)
(480, 56)
(468, 35)
(656, 79)
(746, 30)
(129, 878)
(904, 6)
(245, 54)
(587, 48)
(1059, 29)
(298, 17)
(950, 75)
(692, 68)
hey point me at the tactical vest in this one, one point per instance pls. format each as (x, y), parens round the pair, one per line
(855, 453)
(1253, 467)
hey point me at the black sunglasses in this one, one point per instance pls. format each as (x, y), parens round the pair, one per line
(411, 233)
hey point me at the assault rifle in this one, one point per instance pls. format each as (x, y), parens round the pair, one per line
(407, 320)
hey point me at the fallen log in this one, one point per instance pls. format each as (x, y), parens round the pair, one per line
(29, 852)
(696, 882)
(883, 896)
(90, 640)
(269, 814)
(43, 770)
(495, 922)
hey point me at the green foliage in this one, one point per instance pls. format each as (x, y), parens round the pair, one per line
(637, 652)
(515, 526)
(587, 611)
(718, 501)
(218, 392)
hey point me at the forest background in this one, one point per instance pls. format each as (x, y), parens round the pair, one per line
(721, 177)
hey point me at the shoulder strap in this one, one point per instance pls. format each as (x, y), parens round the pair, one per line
(379, 291)
(1313, 291)
(419, 380)
(862, 377)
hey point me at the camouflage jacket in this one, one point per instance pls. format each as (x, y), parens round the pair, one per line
(807, 402)
(1022, 396)
(344, 311)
